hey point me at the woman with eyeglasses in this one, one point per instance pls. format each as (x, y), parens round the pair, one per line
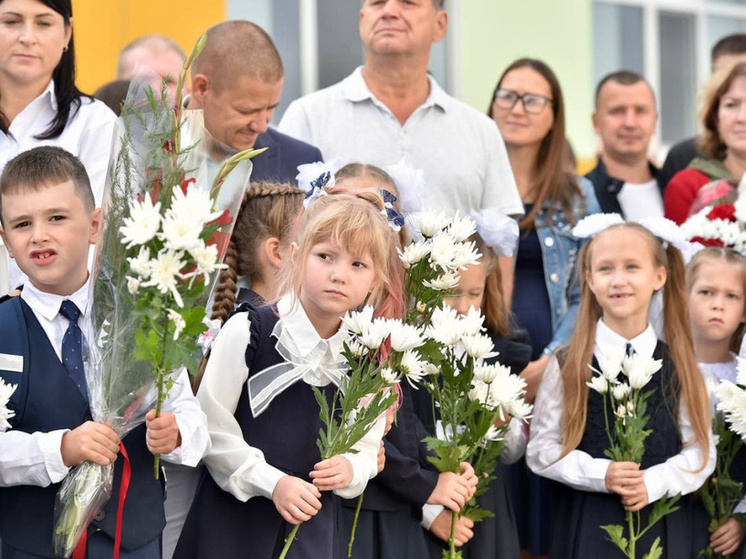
(528, 107)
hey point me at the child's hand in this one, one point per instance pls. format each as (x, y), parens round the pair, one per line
(726, 539)
(163, 435)
(623, 477)
(637, 499)
(468, 473)
(381, 458)
(452, 491)
(296, 500)
(441, 528)
(94, 442)
(390, 416)
(334, 473)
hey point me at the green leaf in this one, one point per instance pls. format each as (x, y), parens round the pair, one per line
(616, 536)
(656, 551)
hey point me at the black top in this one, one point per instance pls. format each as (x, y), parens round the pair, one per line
(608, 188)
(678, 159)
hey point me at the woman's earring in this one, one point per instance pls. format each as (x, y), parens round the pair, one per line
(64, 49)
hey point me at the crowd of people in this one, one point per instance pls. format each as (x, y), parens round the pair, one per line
(237, 482)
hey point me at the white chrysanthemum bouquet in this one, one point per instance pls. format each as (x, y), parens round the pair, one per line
(621, 382)
(166, 226)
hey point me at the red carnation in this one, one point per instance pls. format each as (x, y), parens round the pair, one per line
(708, 242)
(723, 211)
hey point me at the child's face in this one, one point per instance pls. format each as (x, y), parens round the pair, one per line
(623, 276)
(470, 289)
(48, 233)
(716, 301)
(334, 282)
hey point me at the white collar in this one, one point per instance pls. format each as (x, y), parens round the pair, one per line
(295, 322)
(48, 304)
(355, 90)
(608, 341)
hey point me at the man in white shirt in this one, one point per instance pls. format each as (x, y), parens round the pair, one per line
(154, 52)
(625, 180)
(390, 110)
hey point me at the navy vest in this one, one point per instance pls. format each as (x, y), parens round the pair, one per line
(47, 400)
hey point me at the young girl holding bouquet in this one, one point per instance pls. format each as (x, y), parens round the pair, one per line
(265, 473)
(716, 278)
(621, 268)
(496, 537)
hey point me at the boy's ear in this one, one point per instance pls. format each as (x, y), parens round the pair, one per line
(95, 225)
(5, 241)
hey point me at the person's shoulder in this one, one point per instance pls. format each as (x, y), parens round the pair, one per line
(688, 176)
(684, 149)
(463, 110)
(303, 148)
(322, 97)
(95, 110)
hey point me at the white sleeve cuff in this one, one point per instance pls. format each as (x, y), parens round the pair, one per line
(51, 448)
(264, 479)
(429, 514)
(360, 475)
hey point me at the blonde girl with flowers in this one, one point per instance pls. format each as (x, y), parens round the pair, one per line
(622, 267)
(716, 281)
(264, 473)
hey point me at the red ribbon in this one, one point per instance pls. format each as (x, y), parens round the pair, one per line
(80, 549)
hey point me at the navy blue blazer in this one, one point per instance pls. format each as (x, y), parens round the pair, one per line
(280, 162)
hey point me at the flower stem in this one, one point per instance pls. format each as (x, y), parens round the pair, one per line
(632, 536)
(289, 541)
(160, 381)
(452, 537)
(354, 525)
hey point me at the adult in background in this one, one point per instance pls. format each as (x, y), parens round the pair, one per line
(237, 82)
(624, 179)
(529, 110)
(727, 51)
(722, 116)
(156, 53)
(391, 109)
(39, 102)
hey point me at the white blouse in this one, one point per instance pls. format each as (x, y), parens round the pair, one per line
(235, 466)
(679, 474)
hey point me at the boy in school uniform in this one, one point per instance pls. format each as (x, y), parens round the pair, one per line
(48, 222)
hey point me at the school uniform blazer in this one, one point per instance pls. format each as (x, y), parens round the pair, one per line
(284, 153)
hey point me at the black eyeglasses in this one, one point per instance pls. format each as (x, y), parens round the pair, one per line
(532, 103)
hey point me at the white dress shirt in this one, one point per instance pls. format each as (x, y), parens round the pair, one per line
(36, 458)
(88, 135)
(679, 474)
(235, 466)
(459, 149)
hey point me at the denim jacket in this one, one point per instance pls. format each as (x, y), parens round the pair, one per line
(559, 250)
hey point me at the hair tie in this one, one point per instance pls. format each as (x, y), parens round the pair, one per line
(314, 178)
(593, 224)
(410, 183)
(395, 219)
(499, 231)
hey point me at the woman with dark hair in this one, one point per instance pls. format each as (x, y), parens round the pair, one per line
(39, 103)
(723, 142)
(529, 110)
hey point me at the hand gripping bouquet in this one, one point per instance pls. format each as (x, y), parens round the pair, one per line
(166, 229)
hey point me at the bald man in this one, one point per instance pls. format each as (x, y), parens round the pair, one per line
(154, 52)
(237, 82)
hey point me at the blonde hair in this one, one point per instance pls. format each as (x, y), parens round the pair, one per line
(711, 144)
(353, 222)
(493, 304)
(729, 256)
(267, 210)
(576, 373)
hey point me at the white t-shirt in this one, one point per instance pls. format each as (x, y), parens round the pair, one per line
(640, 201)
(459, 149)
(88, 135)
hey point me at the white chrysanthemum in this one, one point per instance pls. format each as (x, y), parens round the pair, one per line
(206, 338)
(165, 273)
(465, 254)
(404, 336)
(599, 384)
(485, 373)
(428, 223)
(445, 326)
(740, 207)
(430, 369)
(442, 251)
(206, 258)
(413, 367)
(389, 376)
(479, 346)
(178, 321)
(180, 234)
(414, 253)
(621, 411)
(357, 349)
(461, 228)
(472, 322)
(480, 392)
(375, 333)
(610, 364)
(630, 407)
(133, 285)
(732, 402)
(520, 409)
(494, 434)
(640, 370)
(195, 206)
(143, 222)
(444, 282)
(359, 321)
(620, 391)
(140, 265)
(506, 389)
(6, 391)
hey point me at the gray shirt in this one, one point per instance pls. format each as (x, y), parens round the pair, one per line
(459, 149)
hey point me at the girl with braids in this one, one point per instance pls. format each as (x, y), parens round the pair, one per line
(264, 473)
(621, 268)
(257, 246)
